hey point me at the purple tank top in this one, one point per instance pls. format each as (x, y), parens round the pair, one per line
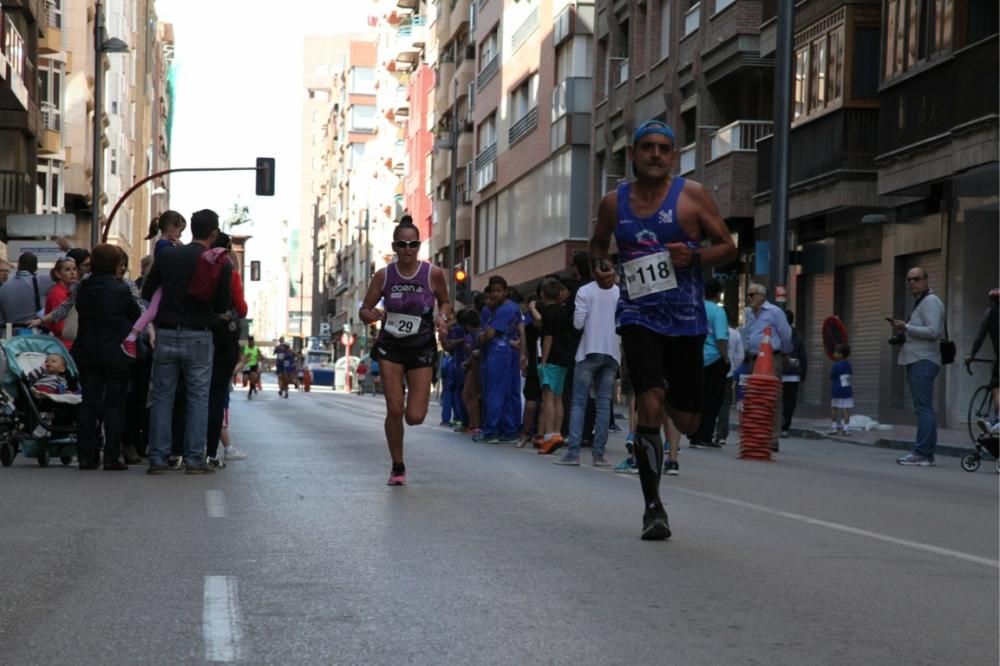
(409, 306)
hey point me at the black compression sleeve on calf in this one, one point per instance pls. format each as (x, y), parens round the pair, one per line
(649, 460)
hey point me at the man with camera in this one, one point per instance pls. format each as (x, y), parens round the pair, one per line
(919, 341)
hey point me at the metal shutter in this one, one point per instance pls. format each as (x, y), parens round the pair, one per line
(866, 333)
(816, 307)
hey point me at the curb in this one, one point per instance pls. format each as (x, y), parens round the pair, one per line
(949, 450)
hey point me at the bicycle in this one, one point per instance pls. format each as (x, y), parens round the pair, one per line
(981, 406)
(981, 409)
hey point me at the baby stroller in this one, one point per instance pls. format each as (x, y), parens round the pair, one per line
(987, 442)
(38, 425)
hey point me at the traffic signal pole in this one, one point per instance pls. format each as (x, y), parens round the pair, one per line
(261, 167)
(780, 150)
(453, 222)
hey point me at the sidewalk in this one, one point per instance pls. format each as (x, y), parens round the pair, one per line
(951, 441)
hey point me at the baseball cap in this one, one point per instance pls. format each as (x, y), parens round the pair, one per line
(653, 127)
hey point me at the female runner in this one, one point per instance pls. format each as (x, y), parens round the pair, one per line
(408, 290)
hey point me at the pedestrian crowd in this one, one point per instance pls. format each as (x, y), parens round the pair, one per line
(155, 357)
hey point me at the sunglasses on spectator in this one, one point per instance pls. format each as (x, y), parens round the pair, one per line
(404, 245)
(914, 279)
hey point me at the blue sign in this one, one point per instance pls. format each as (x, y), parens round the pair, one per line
(762, 258)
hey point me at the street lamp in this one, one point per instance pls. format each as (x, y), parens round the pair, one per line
(101, 46)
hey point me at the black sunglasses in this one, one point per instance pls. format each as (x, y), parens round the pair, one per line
(403, 245)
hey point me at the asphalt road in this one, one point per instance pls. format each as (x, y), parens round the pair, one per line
(301, 554)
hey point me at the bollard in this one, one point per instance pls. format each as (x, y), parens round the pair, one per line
(760, 401)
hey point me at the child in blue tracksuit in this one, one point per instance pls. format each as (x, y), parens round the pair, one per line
(841, 392)
(502, 388)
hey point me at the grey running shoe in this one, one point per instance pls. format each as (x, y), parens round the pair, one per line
(913, 460)
(601, 461)
(567, 459)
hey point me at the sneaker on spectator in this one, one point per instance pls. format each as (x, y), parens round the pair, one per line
(550, 444)
(215, 463)
(205, 469)
(568, 459)
(175, 463)
(233, 453)
(671, 468)
(600, 461)
(627, 466)
(913, 460)
(784, 434)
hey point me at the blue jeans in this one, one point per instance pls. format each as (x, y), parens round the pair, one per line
(921, 376)
(187, 353)
(597, 369)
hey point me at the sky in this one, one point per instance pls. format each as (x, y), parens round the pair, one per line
(238, 96)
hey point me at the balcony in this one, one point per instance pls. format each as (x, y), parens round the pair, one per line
(50, 139)
(466, 146)
(17, 192)
(51, 40)
(410, 40)
(688, 158)
(921, 108)
(838, 145)
(740, 136)
(442, 165)
(487, 73)
(459, 16)
(401, 102)
(730, 172)
(523, 127)
(442, 86)
(486, 167)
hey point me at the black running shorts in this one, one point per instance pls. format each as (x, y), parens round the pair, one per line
(410, 358)
(661, 361)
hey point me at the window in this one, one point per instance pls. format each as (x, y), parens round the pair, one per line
(488, 50)
(114, 161)
(819, 70)
(49, 179)
(363, 118)
(487, 133)
(664, 29)
(573, 58)
(356, 155)
(916, 30)
(363, 81)
(524, 98)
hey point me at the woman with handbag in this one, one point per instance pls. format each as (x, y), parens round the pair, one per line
(64, 278)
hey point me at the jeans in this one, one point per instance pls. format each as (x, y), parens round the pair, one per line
(597, 369)
(790, 398)
(921, 376)
(722, 423)
(188, 354)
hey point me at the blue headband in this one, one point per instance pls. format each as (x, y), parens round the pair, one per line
(653, 127)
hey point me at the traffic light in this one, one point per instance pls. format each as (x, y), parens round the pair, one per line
(265, 176)
(463, 294)
(255, 271)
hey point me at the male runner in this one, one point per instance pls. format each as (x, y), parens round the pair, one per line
(284, 365)
(659, 223)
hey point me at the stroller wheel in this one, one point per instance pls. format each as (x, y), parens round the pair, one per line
(66, 460)
(6, 454)
(970, 462)
(43, 455)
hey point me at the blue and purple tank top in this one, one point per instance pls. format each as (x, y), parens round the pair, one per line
(654, 295)
(409, 306)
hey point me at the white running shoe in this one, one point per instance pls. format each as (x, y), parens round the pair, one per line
(233, 453)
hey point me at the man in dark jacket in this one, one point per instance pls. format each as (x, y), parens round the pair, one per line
(184, 345)
(793, 373)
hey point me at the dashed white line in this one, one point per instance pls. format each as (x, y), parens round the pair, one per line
(221, 620)
(215, 503)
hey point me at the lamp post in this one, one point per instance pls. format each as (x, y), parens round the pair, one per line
(101, 46)
(453, 222)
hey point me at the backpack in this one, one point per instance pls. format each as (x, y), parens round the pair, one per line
(207, 272)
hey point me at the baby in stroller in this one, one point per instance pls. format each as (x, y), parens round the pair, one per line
(51, 376)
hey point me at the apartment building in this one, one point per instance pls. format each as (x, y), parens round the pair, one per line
(22, 27)
(531, 113)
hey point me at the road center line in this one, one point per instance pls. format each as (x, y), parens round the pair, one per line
(215, 502)
(221, 619)
(915, 545)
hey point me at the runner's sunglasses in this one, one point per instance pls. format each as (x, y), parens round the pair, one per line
(404, 245)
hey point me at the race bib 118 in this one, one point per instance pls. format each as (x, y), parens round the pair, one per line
(650, 274)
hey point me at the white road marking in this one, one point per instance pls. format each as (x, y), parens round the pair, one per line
(215, 502)
(221, 619)
(915, 545)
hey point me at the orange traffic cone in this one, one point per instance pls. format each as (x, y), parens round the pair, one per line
(764, 365)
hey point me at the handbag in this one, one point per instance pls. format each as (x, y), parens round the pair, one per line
(71, 324)
(948, 350)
